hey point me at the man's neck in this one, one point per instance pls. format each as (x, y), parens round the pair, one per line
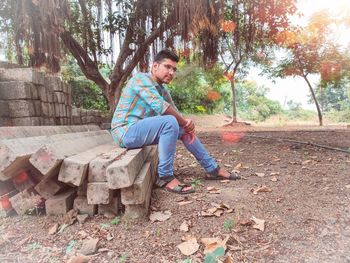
(154, 78)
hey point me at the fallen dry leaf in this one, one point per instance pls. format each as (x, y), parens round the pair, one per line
(347, 186)
(70, 217)
(213, 190)
(259, 223)
(260, 174)
(53, 229)
(224, 181)
(185, 202)
(206, 214)
(160, 216)
(184, 226)
(262, 189)
(274, 179)
(306, 162)
(238, 166)
(245, 222)
(79, 259)
(188, 247)
(213, 243)
(274, 173)
(228, 260)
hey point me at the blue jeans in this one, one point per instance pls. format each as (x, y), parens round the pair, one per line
(164, 130)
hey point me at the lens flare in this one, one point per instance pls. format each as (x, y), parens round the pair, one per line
(232, 137)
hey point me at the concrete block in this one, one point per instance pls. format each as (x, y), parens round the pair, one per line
(75, 112)
(65, 87)
(112, 207)
(37, 108)
(23, 132)
(61, 203)
(53, 83)
(122, 173)
(27, 121)
(22, 181)
(50, 156)
(98, 166)
(34, 92)
(45, 109)
(82, 189)
(136, 193)
(49, 187)
(74, 169)
(5, 204)
(81, 205)
(76, 121)
(99, 193)
(5, 122)
(24, 201)
(15, 152)
(21, 108)
(6, 187)
(14, 90)
(140, 210)
(51, 110)
(59, 97)
(4, 109)
(42, 93)
(22, 74)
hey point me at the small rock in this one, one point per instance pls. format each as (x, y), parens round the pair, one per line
(324, 232)
(53, 229)
(109, 215)
(82, 218)
(89, 246)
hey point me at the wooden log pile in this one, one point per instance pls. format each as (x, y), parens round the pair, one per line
(59, 168)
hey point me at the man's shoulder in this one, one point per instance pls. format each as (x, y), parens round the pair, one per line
(142, 76)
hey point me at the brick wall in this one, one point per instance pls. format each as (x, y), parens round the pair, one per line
(29, 97)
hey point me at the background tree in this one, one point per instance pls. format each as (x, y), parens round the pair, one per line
(247, 31)
(311, 51)
(40, 27)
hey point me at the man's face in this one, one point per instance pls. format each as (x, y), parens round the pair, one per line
(164, 71)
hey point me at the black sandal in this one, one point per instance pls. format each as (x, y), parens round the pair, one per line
(214, 175)
(179, 189)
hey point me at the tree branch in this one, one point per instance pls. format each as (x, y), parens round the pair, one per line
(87, 65)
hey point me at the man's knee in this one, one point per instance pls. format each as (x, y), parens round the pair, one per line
(171, 122)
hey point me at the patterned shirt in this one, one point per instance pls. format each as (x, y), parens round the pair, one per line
(141, 98)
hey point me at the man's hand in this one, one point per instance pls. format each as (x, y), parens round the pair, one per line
(189, 137)
(189, 127)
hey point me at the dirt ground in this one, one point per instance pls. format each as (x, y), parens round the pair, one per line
(301, 191)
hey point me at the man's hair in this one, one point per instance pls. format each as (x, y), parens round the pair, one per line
(166, 54)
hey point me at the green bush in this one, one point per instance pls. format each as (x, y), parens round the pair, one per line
(195, 90)
(85, 93)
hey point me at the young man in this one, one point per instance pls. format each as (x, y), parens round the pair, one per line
(146, 115)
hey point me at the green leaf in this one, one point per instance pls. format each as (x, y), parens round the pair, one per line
(215, 255)
(115, 221)
(62, 228)
(33, 246)
(103, 225)
(70, 246)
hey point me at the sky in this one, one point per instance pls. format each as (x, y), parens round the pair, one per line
(295, 88)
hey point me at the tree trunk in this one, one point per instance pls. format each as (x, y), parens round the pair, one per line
(315, 100)
(234, 108)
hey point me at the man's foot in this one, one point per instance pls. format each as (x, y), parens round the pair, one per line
(175, 186)
(221, 174)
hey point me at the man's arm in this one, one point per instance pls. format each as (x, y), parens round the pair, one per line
(187, 124)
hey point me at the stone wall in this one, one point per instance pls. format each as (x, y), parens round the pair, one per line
(29, 97)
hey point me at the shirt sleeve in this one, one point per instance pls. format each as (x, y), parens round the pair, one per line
(147, 91)
(169, 99)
